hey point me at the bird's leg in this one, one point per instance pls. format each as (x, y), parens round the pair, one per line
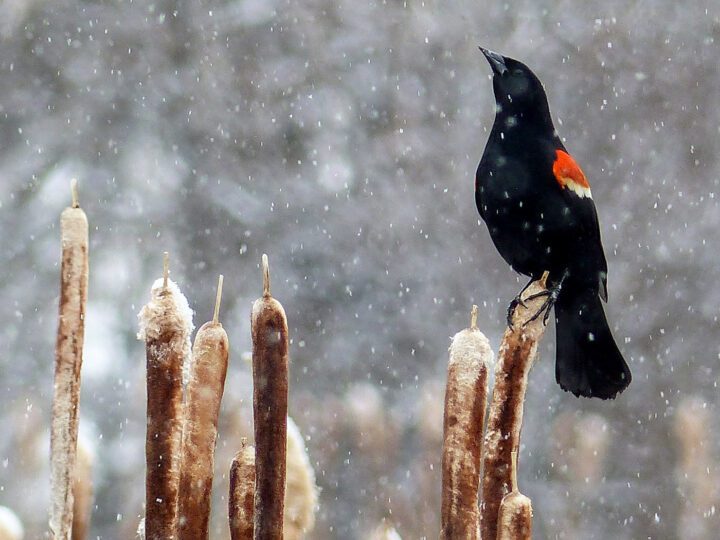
(517, 301)
(552, 294)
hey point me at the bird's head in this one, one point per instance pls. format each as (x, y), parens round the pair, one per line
(517, 88)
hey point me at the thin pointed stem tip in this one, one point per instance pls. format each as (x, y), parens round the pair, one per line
(218, 298)
(166, 268)
(473, 317)
(74, 192)
(266, 275)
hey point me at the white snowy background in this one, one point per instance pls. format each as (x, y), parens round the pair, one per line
(341, 138)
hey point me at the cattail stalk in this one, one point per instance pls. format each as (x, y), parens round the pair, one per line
(515, 516)
(242, 494)
(270, 396)
(202, 407)
(515, 358)
(463, 423)
(82, 490)
(68, 361)
(165, 325)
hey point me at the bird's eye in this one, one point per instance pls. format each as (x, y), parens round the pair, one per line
(517, 72)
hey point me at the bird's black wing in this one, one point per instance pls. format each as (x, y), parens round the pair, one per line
(575, 190)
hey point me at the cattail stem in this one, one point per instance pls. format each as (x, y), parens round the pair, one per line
(515, 358)
(513, 471)
(465, 401)
(242, 493)
(202, 408)
(68, 362)
(270, 396)
(165, 325)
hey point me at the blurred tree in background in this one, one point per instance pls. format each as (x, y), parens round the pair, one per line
(342, 138)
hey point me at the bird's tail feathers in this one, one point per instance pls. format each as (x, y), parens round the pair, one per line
(588, 361)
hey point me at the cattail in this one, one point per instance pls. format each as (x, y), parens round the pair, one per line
(300, 495)
(375, 432)
(10, 526)
(465, 401)
(68, 361)
(429, 422)
(165, 325)
(270, 397)
(301, 491)
(83, 490)
(242, 494)
(579, 448)
(579, 445)
(515, 516)
(591, 443)
(515, 358)
(385, 531)
(202, 407)
(695, 472)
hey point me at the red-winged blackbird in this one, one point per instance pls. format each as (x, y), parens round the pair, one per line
(538, 207)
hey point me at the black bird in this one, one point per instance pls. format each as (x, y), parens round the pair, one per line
(539, 210)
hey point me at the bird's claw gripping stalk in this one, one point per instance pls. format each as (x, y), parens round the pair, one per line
(552, 294)
(547, 305)
(517, 301)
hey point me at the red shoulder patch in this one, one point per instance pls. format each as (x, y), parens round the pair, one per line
(569, 174)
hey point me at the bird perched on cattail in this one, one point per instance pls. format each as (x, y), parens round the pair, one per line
(537, 205)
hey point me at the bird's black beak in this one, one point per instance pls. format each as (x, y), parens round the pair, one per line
(497, 62)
